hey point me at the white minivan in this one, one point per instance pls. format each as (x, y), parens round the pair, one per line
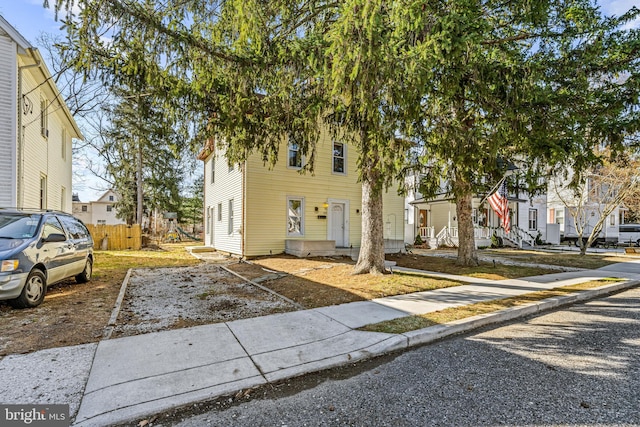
(629, 234)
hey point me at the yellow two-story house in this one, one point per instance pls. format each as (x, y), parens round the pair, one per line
(253, 210)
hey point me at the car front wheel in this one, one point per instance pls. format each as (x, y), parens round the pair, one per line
(85, 276)
(33, 292)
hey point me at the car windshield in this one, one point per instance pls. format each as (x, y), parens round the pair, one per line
(18, 226)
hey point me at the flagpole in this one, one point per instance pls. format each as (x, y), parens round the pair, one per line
(493, 189)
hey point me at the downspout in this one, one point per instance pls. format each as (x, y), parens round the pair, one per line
(19, 139)
(244, 207)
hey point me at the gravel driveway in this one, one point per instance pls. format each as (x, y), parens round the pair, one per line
(167, 298)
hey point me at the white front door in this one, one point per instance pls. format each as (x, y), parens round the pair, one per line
(337, 227)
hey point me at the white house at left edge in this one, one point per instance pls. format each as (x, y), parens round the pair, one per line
(36, 129)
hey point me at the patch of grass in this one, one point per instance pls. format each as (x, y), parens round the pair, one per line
(411, 323)
(564, 259)
(203, 296)
(336, 285)
(108, 264)
(486, 270)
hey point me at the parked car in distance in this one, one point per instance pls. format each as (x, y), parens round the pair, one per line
(39, 248)
(629, 234)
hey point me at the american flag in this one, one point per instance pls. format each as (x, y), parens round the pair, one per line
(500, 205)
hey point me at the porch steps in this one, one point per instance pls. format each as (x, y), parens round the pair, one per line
(199, 249)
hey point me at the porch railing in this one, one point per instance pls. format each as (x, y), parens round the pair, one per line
(482, 232)
(517, 235)
(427, 233)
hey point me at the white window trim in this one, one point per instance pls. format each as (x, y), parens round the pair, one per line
(220, 212)
(301, 233)
(63, 146)
(44, 117)
(230, 225)
(535, 219)
(344, 159)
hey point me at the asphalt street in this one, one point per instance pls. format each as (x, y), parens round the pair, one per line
(577, 366)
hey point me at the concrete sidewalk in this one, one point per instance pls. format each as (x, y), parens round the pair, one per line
(136, 376)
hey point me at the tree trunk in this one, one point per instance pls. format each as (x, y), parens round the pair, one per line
(467, 255)
(371, 258)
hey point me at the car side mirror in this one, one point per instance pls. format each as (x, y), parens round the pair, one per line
(54, 237)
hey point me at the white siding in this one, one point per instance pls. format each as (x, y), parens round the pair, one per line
(8, 126)
(43, 153)
(226, 186)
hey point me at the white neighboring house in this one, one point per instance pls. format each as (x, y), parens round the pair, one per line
(435, 220)
(36, 129)
(99, 212)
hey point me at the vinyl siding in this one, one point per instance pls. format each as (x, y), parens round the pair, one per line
(43, 155)
(227, 186)
(8, 127)
(267, 191)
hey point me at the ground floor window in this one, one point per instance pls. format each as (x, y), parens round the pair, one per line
(43, 192)
(230, 223)
(295, 216)
(533, 219)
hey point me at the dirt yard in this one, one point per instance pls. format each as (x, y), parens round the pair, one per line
(180, 291)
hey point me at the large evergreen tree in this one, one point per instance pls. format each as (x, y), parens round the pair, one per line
(533, 83)
(472, 80)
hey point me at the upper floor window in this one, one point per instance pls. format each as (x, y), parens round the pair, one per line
(111, 198)
(294, 155)
(339, 157)
(84, 208)
(213, 170)
(44, 118)
(109, 208)
(63, 144)
(612, 220)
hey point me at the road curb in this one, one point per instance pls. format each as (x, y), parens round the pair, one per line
(435, 333)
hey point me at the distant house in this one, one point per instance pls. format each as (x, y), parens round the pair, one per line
(36, 129)
(562, 202)
(99, 212)
(252, 210)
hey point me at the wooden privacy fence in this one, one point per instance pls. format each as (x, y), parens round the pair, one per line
(116, 237)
